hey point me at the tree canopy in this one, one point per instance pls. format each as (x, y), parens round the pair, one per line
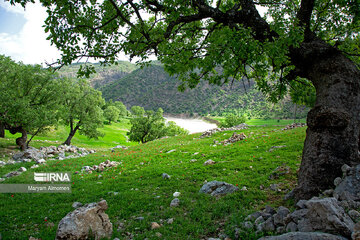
(30, 98)
(81, 109)
(310, 42)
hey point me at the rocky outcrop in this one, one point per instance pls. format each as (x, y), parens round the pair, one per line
(216, 188)
(90, 218)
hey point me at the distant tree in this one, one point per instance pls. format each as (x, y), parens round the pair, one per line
(137, 111)
(111, 113)
(233, 120)
(82, 109)
(29, 100)
(122, 108)
(172, 129)
(146, 125)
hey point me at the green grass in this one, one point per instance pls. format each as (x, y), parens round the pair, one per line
(138, 181)
(262, 122)
(115, 134)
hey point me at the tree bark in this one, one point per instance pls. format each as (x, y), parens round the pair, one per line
(21, 141)
(2, 130)
(69, 138)
(332, 137)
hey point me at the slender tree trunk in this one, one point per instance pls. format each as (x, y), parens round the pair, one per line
(332, 136)
(2, 130)
(69, 138)
(21, 141)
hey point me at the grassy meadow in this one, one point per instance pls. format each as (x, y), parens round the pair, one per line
(142, 192)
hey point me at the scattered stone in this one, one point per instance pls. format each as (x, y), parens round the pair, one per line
(326, 215)
(139, 218)
(176, 194)
(247, 225)
(216, 188)
(234, 138)
(304, 236)
(34, 166)
(279, 217)
(22, 169)
(175, 202)
(118, 147)
(41, 161)
(77, 204)
(159, 235)
(2, 163)
(291, 227)
(165, 176)
(170, 221)
(355, 215)
(276, 147)
(213, 239)
(356, 234)
(348, 188)
(2, 179)
(89, 218)
(301, 204)
(210, 132)
(253, 216)
(289, 195)
(243, 188)
(155, 225)
(274, 187)
(12, 174)
(294, 125)
(193, 160)
(279, 171)
(337, 181)
(209, 162)
(172, 150)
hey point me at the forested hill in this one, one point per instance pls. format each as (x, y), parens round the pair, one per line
(151, 87)
(103, 75)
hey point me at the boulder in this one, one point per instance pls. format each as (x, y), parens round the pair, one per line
(327, 215)
(348, 189)
(304, 236)
(216, 188)
(90, 218)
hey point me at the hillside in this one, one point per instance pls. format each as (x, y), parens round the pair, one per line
(152, 87)
(137, 194)
(104, 74)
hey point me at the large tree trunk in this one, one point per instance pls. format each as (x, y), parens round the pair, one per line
(332, 137)
(21, 141)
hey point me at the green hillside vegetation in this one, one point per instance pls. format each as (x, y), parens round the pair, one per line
(142, 192)
(104, 74)
(152, 88)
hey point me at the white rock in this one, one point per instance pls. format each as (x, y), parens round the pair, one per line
(176, 194)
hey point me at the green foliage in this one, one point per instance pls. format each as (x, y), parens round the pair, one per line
(233, 120)
(146, 125)
(82, 108)
(123, 112)
(173, 130)
(152, 88)
(149, 125)
(111, 113)
(30, 97)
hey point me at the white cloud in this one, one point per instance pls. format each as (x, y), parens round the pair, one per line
(29, 45)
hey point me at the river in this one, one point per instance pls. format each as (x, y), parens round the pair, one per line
(193, 125)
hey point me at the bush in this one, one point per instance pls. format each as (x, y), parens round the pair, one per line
(233, 120)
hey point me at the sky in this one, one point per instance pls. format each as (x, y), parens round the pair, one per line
(22, 36)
